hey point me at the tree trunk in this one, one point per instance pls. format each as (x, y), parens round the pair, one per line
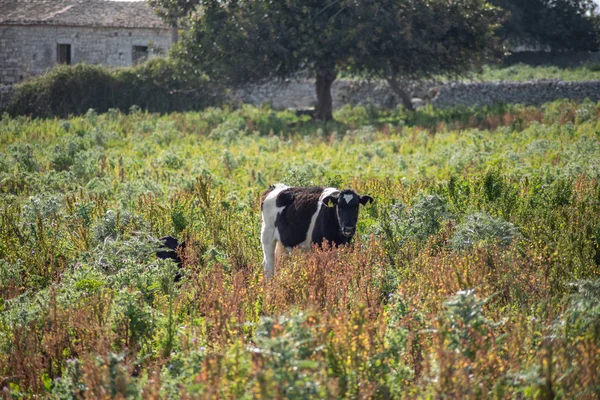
(325, 77)
(398, 88)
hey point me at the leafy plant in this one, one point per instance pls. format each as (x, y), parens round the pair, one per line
(288, 349)
(582, 316)
(23, 155)
(464, 313)
(481, 228)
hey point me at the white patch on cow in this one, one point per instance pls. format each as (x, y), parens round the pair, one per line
(348, 198)
(313, 221)
(269, 234)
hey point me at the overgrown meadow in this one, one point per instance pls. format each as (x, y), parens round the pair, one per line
(475, 274)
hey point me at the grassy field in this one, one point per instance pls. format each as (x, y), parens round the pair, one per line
(475, 274)
(523, 72)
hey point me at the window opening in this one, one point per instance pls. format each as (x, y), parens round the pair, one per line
(63, 54)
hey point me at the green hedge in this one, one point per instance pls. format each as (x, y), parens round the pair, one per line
(159, 85)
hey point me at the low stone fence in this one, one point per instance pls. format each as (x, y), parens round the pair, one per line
(529, 93)
(302, 93)
(299, 94)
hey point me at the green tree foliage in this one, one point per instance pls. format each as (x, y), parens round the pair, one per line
(417, 39)
(558, 24)
(253, 42)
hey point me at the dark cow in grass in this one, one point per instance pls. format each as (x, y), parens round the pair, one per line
(172, 249)
(301, 216)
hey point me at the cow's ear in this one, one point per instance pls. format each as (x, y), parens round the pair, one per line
(365, 199)
(285, 198)
(331, 200)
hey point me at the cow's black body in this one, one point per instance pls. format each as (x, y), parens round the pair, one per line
(171, 250)
(300, 206)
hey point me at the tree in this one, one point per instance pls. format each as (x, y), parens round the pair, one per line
(560, 25)
(242, 42)
(432, 38)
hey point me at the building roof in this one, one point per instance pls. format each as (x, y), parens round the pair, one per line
(95, 13)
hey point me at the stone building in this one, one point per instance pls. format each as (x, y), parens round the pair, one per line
(35, 35)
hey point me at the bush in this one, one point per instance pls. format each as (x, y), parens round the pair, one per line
(425, 218)
(287, 346)
(115, 224)
(481, 228)
(581, 319)
(464, 314)
(23, 156)
(159, 85)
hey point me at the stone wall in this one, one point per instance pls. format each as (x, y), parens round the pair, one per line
(300, 94)
(529, 93)
(27, 51)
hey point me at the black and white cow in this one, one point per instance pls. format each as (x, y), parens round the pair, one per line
(172, 249)
(301, 216)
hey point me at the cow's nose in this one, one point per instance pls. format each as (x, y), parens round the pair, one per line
(348, 231)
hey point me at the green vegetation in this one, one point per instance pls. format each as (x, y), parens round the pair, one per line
(159, 85)
(560, 25)
(240, 43)
(523, 72)
(475, 274)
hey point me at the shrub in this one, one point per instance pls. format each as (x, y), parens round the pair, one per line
(425, 218)
(481, 228)
(115, 224)
(159, 85)
(163, 85)
(464, 314)
(86, 164)
(63, 154)
(133, 318)
(42, 206)
(303, 175)
(172, 160)
(23, 156)
(582, 316)
(71, 384)
(4, 163)
(397, 336)
(288, 347)
(230, 129)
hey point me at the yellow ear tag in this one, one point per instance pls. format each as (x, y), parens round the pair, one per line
(330, 204)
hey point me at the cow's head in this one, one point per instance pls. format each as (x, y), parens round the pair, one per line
(345, 204)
